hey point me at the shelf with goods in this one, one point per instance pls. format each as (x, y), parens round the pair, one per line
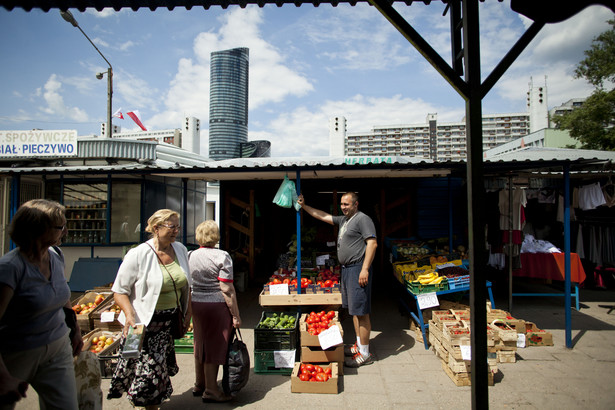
(86, 213)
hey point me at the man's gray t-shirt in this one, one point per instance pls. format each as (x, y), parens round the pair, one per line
(352, 235)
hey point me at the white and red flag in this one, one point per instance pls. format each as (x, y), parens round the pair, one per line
(118, 114)
(135, 117)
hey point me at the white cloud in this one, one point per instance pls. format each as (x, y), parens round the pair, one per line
(55, 105)
(304, 132)
(270, 79)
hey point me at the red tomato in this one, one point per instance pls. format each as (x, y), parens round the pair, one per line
(286, 281)
(331, 314)
(318, 369)
(328, 371)
(321, 377)
(309, 367)
(304, 377)
(328, 283)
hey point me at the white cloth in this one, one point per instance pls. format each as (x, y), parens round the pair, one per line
(140, 277)
(532, 245)
(591, 196)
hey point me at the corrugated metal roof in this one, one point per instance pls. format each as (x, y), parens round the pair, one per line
(542, 154)
(192, 166)
(117, 5)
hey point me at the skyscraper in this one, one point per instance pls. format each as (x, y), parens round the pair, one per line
(228, 102)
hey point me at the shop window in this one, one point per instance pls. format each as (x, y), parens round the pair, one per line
(86, 212)
(125, 212)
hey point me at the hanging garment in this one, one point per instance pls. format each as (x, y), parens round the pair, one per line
(591, 196)
(579, 248)
(519, 200)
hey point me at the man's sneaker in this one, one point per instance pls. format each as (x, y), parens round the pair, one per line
(351, 350)
(359, 360)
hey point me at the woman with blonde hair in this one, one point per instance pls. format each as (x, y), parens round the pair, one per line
(150, 282)
(214, 308)
(35, 345)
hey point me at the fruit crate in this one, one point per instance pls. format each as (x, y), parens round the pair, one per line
(264, 363)
(458, 282)
(185, 344)
(276, 339)
(417, 288)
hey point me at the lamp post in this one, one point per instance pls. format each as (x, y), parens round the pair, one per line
(68, 16)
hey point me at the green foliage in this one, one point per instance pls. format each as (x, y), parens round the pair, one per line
(598, 66)
(593, 124)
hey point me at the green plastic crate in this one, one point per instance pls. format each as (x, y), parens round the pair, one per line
(417, 289)
(185, 344)
(276, 339)
(264, 363)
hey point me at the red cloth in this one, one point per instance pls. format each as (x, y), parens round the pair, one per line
(550, 266)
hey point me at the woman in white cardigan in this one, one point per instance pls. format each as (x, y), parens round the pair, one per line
(149, 283)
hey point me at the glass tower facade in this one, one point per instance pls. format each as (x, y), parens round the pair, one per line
(228, 103)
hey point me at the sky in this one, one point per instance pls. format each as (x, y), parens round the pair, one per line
(307, 64)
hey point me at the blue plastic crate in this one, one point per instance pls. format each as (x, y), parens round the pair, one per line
(459, 282)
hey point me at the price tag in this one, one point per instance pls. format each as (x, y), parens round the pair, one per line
(330, 337)
(521, 340)
(445, 265)
(466, 352)
(427, 300)
(281, 289)
(106, 317)
(284, 358)
(322, 260)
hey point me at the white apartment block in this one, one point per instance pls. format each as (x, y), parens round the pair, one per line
(188, 137)
(444, 141)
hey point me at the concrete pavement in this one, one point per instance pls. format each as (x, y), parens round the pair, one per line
(406, 375)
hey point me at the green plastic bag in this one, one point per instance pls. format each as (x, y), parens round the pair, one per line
(286, 195)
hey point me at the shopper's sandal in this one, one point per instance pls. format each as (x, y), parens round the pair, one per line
(197, 391)
(215, 398)
(359, 360)
(351, 350)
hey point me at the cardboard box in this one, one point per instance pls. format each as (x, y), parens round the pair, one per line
(85, 321)
(320, 299)
(95, 316)
(313, 354)
(328, 387)
(535, 336)
(89, 337)
(311, 340)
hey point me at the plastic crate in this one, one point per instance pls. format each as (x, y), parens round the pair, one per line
(417, 289)
(264, 363)
(458, 282)
(185, 344)
(276, 339)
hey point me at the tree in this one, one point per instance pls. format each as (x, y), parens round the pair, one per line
(593, 124)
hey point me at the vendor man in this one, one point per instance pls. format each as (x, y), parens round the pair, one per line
(356, 248)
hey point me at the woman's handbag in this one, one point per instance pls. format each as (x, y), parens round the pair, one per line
(236, 370)
(178, 330)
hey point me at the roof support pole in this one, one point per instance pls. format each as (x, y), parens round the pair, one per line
(298, 218)
(567, 278)
(476, 212)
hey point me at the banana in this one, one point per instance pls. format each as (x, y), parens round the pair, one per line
(436, 280)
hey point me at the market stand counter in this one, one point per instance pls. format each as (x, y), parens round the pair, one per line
(551, 266)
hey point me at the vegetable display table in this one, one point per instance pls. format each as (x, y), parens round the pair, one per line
(418, 316)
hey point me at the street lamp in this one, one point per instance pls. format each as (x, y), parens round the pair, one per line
(68, 16)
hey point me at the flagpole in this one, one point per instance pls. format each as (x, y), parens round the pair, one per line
(68, 16)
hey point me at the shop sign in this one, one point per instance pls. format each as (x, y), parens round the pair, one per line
(35, 143)
(368, 160)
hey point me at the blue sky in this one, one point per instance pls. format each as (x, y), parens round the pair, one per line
(307, 64)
